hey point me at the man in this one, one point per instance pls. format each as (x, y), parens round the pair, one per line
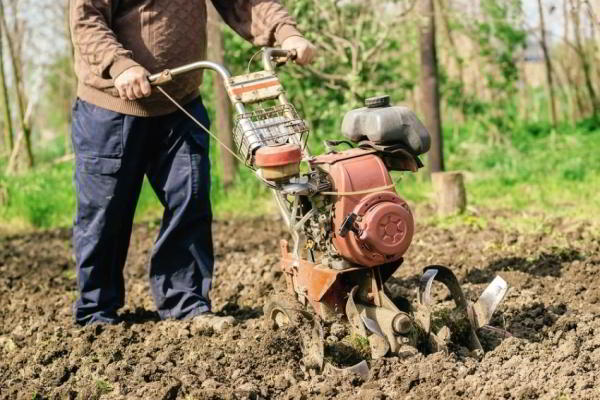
(122, 130)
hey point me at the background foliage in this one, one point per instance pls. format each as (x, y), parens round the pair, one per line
(496, 113)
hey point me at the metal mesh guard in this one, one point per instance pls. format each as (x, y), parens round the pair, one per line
(274, 125)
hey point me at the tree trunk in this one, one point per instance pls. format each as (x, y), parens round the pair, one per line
(444, 11)
(569, 87)
(451, 195)
(576, 11)
(429, 85)
(12, 160)
(8, 127)
(25, 128)
(524, 96)
(70, 99)
(549, 73)
(215, 42)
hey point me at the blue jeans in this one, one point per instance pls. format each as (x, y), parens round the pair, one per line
(113, 153)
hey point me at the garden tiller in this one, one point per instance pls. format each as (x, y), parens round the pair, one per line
(349, 227)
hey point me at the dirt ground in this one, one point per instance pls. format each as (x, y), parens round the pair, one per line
(552, 310)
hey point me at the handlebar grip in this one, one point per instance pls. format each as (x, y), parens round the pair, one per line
(280, 56)
(272, 52)
(160, 78)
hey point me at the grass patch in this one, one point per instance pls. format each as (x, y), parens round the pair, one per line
(457, 322)
(70, 274)
(103, 387)
(360, 344)
(557, 174)
(536, 169)
(45, 198)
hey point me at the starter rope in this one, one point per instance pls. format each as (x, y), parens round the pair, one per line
(200, 125)
(367, 191)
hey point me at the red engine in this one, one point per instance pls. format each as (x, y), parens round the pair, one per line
(372, 225)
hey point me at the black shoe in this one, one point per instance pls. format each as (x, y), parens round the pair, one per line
(101, 318)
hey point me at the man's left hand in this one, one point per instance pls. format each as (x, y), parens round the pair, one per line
(305, 50)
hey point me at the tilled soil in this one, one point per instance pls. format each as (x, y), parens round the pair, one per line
(551, 311)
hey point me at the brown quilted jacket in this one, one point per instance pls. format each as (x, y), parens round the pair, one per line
(110, 36)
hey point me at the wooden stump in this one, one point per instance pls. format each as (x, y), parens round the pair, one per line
(449, 188)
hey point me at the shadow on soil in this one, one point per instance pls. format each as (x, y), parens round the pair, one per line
(242, 313)
(139, 316)
(546, 264)
(528, 323)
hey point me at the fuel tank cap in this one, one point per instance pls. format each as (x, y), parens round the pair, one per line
(377, 102)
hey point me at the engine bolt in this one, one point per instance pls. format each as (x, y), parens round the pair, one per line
(401, 324)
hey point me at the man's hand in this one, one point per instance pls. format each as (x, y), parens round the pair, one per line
(133, 83)
(306, 50)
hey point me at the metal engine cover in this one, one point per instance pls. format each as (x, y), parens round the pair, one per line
(385, 226)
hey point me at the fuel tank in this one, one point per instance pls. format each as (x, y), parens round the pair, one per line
(381, 123)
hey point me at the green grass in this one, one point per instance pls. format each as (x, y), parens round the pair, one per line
(553, 171)
(534, 169)
(44, 198)
(103, 387)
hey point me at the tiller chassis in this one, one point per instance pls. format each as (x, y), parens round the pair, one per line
(349, 227)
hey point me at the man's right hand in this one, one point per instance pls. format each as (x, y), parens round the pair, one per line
(133, 83)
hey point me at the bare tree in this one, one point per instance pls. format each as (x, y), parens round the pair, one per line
(429, 85)
(8, 127)
(215, 43)
(576, 10)
(445, 17)
(14, 40)
(548, 63)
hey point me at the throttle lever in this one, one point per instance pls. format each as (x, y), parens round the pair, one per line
(282, 60)
(348, 225)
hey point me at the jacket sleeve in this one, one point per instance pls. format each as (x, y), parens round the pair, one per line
(94, 40)
(262, 22)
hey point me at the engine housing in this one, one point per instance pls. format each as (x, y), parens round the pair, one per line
(382, 224)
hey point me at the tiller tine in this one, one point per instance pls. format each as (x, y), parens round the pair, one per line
(489, 300)
(366, 327)
(478, 314)
(377, 341)
(353, 314)
(313, 347)
(361, 369)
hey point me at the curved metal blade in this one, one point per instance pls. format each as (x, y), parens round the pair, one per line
(425, 283)
(447, 277)
(377, 342)
(379, 346)
(313, 347)
(372, 325)
(353, 315)
(489, 300)
(361, 369)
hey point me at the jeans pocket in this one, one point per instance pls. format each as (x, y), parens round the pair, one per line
(97, 132)
(99, 165)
